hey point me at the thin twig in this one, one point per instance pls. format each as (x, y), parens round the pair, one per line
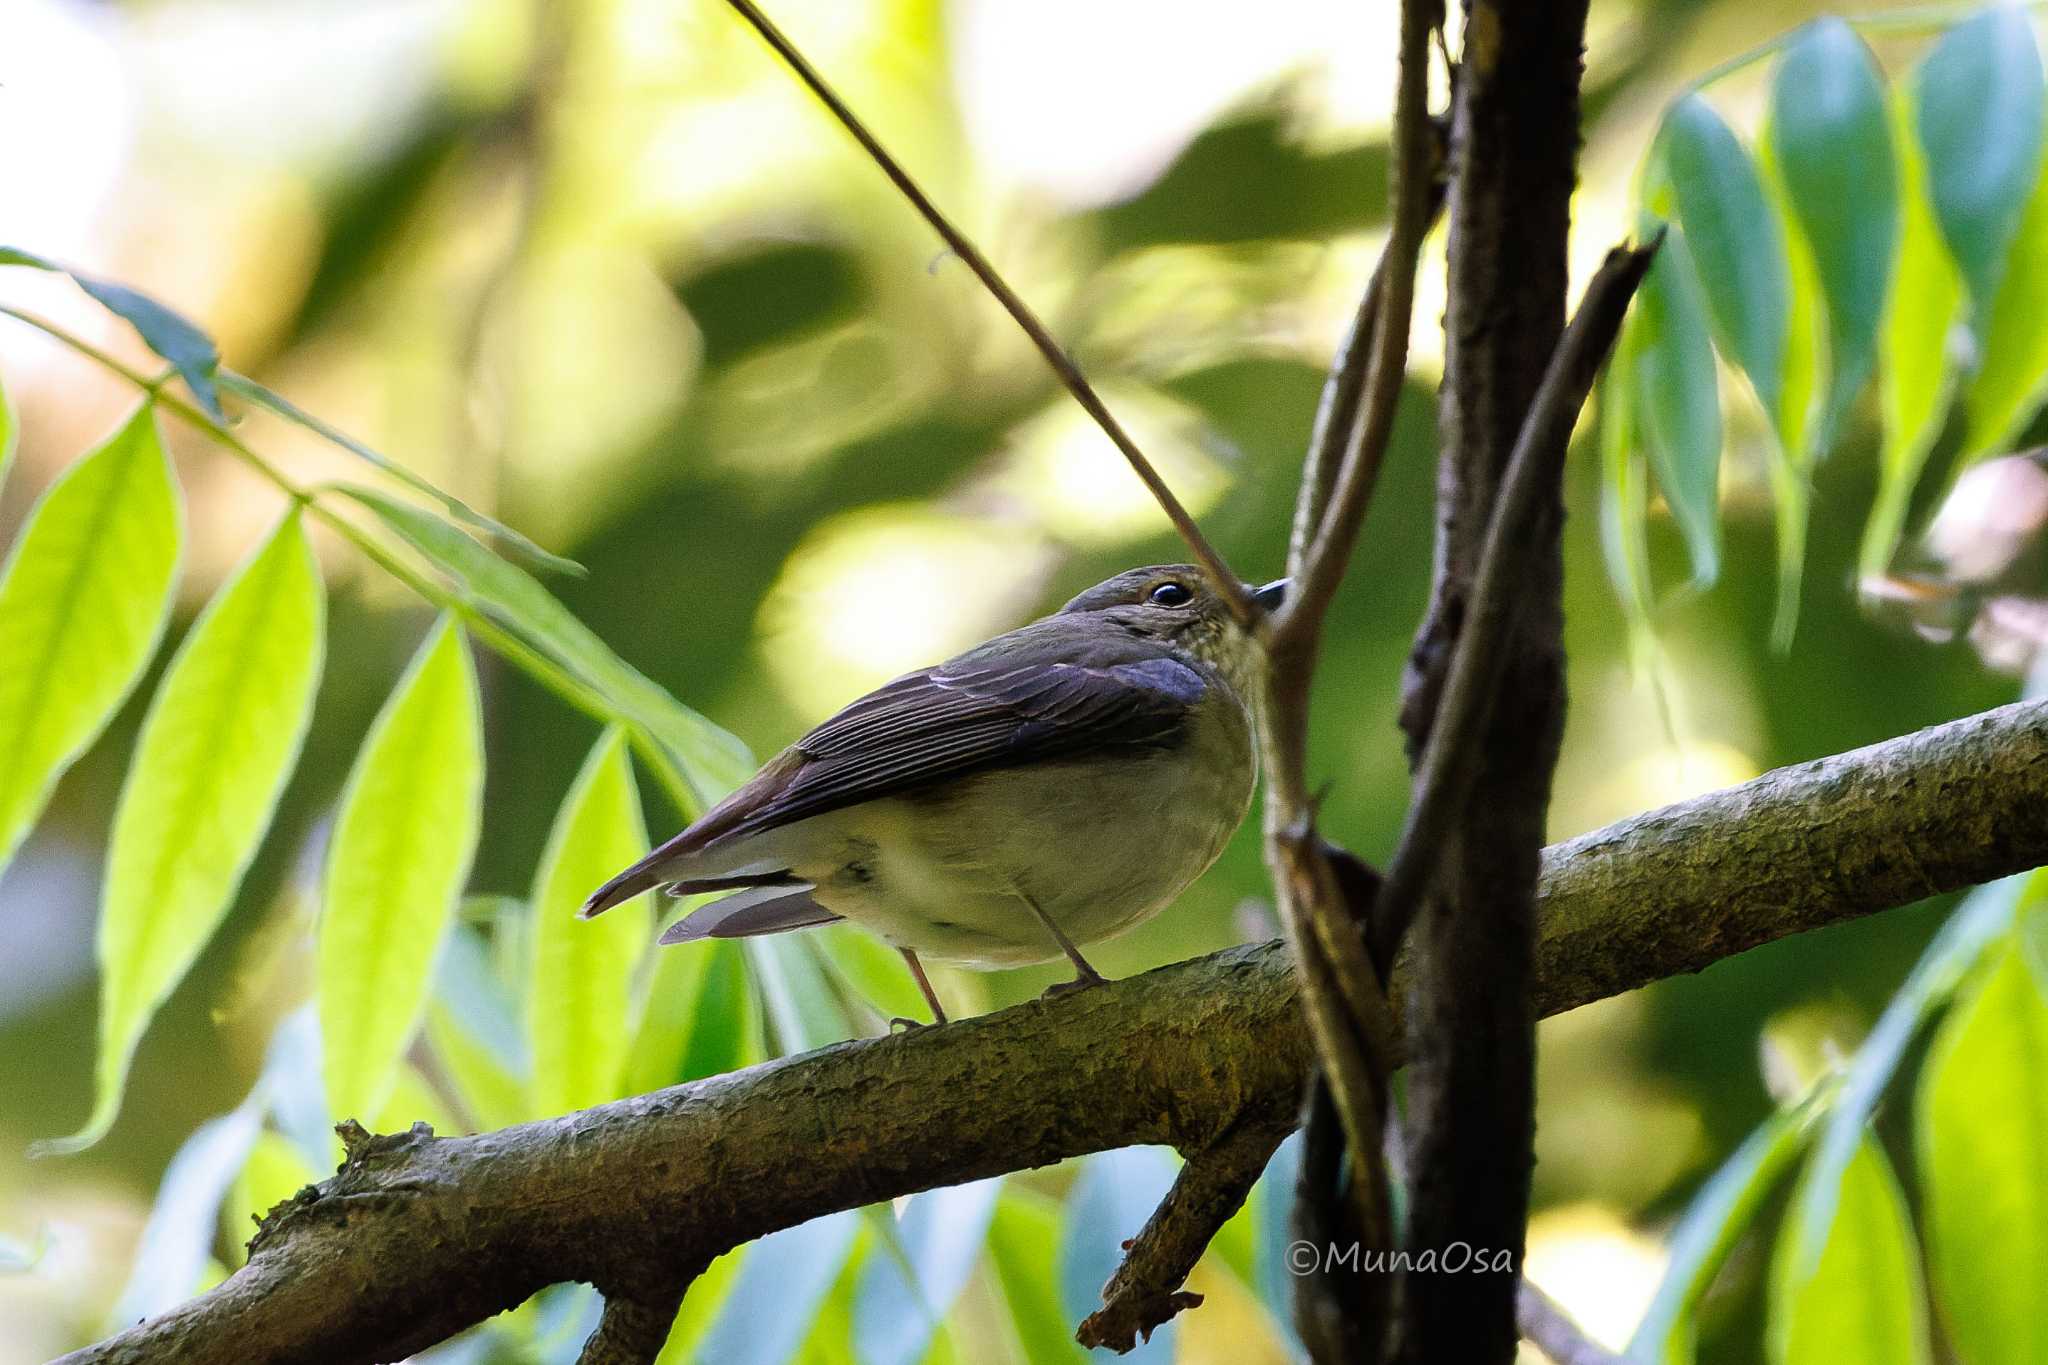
(1542, 1321)
(1226, 583)
(1146, 1289)
(1444, 776)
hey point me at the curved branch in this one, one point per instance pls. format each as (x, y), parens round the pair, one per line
(417, 1237)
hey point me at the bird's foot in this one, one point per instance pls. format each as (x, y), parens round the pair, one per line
(1079, 983)
(906, 1024)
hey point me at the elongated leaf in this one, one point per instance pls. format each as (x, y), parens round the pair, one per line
(1116, 1193)
(2012, 374)
(1916, 375)
(700, 1310)
(782, 1283)
(1981, 920)
(580, 1005)
(519, 545)
(804, 1008)
(473, 1024)
(1978, 100)
(1853, 1292)
(10, 434)
(1677, 403)
(1023, 1242)
(178, 1238)
(698, 1020)
(1624, 488)
(82, 605)
(169, 333)
(1983, 1110)
(1831, 143)
(943, 1231)
(1715, 1220)
(274, 1171)
(216, 747)
(1736, 240)
(712, 761)
(400, 853)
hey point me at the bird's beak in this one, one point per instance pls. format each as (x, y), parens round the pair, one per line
(1271, 595)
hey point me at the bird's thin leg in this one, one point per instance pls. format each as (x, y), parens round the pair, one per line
(1084, 975)
(924, 983)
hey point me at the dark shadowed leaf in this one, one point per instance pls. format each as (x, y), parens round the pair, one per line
(1831, 142)
(163, 330)
(82, 605)
(1983, 1113)
(1677, 402)
(1978, 105)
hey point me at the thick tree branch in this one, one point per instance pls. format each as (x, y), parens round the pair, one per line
(419, 1237)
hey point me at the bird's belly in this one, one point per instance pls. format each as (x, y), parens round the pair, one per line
(1098, 846)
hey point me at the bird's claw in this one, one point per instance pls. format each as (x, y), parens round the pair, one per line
(1079, 983)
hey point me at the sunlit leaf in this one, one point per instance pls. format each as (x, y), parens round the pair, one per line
(473, 1024)
(1716, 1219)
(1983, 1114)
(178, 1238)
(943, 1232)
(455, 507)
(1023, 1242)
(10, 434)
(579, 1004)
(804, 1008)
(700, 1310)
(82, 605)
(400, 853)
(413, 1100)
(1916, 374)
(1737, 242)
(1978, 104)
(873, 971)
(1624, 488)
(2012, 374)
(218, 743)
(698, 1018)
(1831, 145)
(1116, 1194)
(168, 333)
(782, 1282)
(1677, 403)
(711, 760)
(1851, 1290)
(1981, 920)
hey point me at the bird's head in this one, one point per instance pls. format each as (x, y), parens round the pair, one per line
(1173, 603)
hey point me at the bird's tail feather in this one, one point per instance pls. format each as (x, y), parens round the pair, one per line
(768, 907)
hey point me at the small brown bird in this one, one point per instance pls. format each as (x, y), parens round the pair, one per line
(1050, 788)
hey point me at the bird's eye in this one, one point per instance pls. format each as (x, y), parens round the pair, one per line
(1171, 595)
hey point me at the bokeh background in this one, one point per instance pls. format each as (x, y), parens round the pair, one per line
(603, 269)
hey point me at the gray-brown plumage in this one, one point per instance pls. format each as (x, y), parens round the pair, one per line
(1047, 789)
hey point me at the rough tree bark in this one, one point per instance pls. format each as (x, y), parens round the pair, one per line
(1471, 1099)
(417, 1237)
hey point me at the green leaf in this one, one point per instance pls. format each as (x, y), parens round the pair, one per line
(781, 1285)
(2012, 374)
(1981, 920)
(171, 1257)
(1624, 486)
(1979, 105)
(1853, 1291)
(1984, 1157)
(519, 545)
(10, 434)
(1023, 1242)
(1736, 241)
(803, 1006)
(400, 854)
(473, 1025)
(1117, 1192)
(82, 605)
(215, 750)
(712, 761)
(896, 1316)
(1713, 1223)
(1916, 375)
(170, 334)
(1677, 401)
(698, 1018)
(700, 1310)
(580, 1001)
(1831, 144)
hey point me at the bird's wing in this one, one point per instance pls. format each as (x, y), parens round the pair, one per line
(984, 710)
